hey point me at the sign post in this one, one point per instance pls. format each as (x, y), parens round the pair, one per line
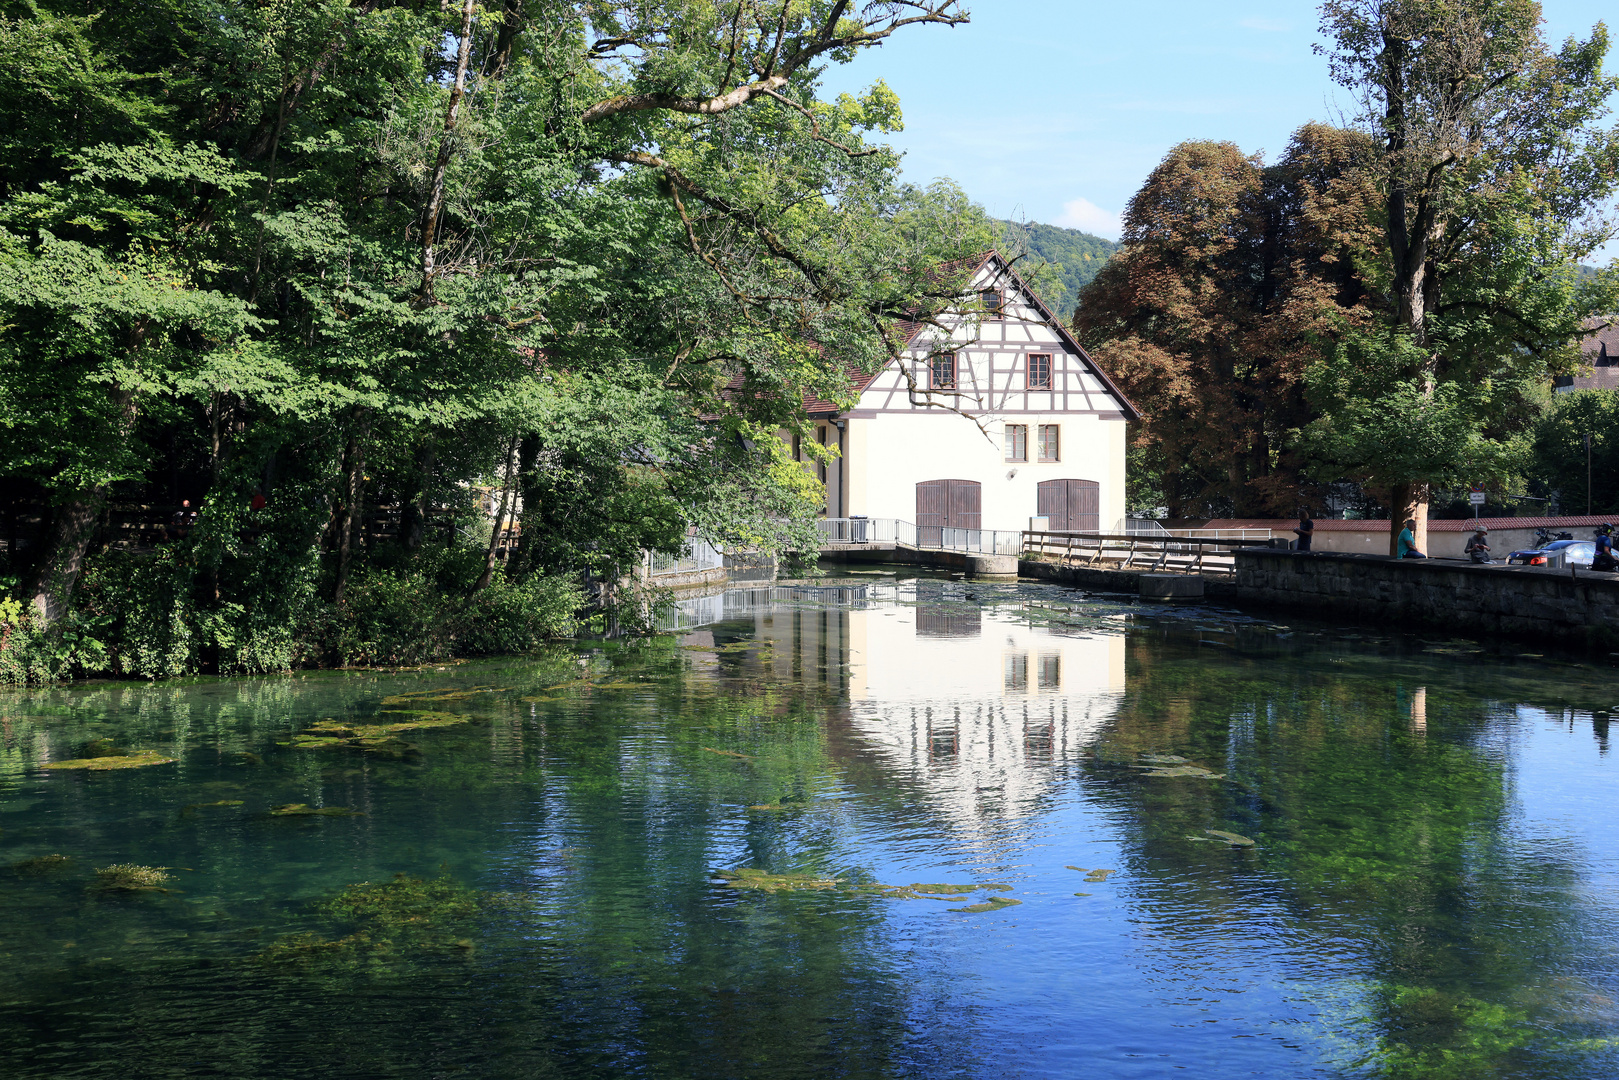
(1476, 497)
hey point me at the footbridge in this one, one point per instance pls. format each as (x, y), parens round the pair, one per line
(1069, 555)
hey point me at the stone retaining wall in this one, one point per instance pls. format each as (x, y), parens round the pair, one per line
(1517, 601)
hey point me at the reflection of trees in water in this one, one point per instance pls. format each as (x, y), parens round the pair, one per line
(604, 945)
(1383, 864)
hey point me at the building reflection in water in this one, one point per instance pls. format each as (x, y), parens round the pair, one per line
(959, 699)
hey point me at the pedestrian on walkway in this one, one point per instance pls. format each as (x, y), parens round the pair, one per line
(1603, 559)
(1305, 532)
(1406, 545)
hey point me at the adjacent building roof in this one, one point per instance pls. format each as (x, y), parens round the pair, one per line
(1599, 349)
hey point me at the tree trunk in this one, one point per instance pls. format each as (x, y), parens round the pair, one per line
(528, 487)
(64, 560)
(446, 147)
(413, 515)
(500, 520)
(353, 495)
(75, 525)
(1408, 501)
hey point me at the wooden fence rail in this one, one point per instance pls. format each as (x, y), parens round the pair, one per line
(1130, 551)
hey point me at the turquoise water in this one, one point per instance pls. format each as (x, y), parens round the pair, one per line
(1418, 873)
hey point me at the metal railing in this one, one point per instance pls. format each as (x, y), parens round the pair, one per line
(698, 555)
(1125, 551)
(694, 612)
(858, 530)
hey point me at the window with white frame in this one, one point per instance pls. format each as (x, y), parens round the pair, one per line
(1050, 443)
(1038, 370)
(1017, 442)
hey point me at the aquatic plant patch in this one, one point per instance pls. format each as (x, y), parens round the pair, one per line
(41, 865)
(760, 881)
(994, 903)
(127, 877)
(380, 738)
(405, 913)
(138, 760)
(299, 809)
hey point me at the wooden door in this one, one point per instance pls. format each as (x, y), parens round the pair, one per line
(946, 504)
(1072, 505)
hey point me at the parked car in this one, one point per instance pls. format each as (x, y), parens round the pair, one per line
(1557, 555)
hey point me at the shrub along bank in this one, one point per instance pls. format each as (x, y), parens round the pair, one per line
(152, 615)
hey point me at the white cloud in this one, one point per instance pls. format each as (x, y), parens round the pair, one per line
(1269, 26)
(1086, 215)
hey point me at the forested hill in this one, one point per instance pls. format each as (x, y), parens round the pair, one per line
(1072, 258)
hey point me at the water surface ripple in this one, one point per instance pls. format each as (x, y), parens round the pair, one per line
(1234, 848)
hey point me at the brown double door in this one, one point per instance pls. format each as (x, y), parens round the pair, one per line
(946, 504)
(1072, 505)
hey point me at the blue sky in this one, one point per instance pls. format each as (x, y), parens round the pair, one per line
(1056, 110)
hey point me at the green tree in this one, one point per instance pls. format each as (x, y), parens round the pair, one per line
(1559, 459)
(358, 257)
(1229, 277)
(1492, 159)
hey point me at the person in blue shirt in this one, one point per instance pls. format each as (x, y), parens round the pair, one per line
(1407, 543)
(1603, 559)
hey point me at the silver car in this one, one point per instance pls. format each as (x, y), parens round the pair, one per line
(1557, 555)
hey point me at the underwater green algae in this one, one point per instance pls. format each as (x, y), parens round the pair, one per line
(760, 881)
(139, 759)
(402, 915)
(299, 809)
(994, 903)
(127, 877)
(191, 808)
(41, 865)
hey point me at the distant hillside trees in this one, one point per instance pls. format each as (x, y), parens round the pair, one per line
(1059, 263)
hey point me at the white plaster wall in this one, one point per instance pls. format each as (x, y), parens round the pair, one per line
(894, 452)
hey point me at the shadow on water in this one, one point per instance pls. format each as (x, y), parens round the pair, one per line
(1234, 846)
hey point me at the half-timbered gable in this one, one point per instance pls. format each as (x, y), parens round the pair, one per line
(992, 416)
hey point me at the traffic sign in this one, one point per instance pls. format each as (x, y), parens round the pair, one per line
(1476, 498)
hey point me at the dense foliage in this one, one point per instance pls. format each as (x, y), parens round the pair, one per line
(1230, 275)
(1385, 305)
(1560, 461)
(326, 269)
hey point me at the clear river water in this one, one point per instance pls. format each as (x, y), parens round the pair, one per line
(878, 827)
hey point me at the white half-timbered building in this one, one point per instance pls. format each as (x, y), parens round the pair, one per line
(992, 419)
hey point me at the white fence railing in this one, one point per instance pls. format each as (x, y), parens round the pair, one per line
(698, 555)
(894, 531)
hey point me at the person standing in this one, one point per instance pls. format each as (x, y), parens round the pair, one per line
(1603, 559)
(1305, 532)
(1406, 545)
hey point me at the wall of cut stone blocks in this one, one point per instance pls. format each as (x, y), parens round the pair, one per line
(1519, 601)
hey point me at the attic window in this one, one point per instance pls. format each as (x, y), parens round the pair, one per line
(994, 303)
(1039, 371)
(943, 372)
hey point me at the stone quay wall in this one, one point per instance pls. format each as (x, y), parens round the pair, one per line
(1516, 601)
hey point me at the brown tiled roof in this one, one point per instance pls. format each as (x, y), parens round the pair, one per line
(1583, 521)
